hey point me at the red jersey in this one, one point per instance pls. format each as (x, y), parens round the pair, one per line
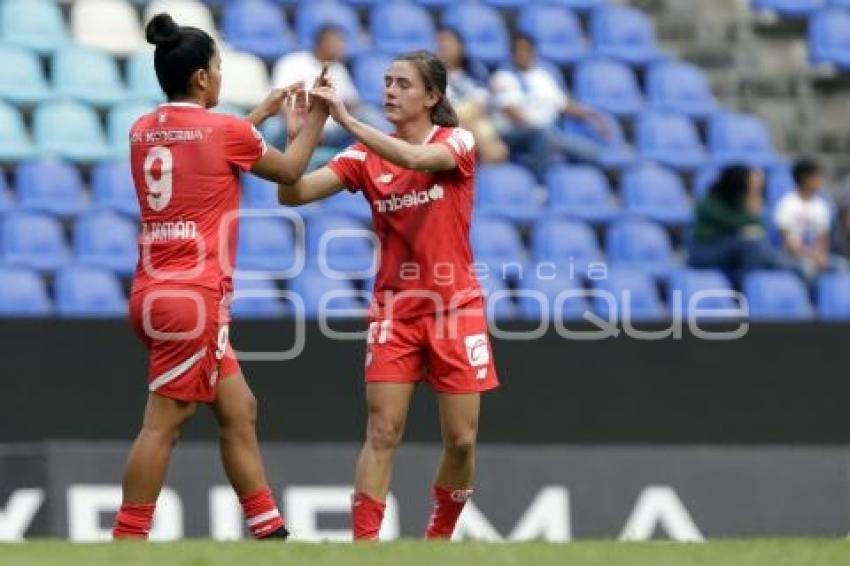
(185, 163)
(422, 221)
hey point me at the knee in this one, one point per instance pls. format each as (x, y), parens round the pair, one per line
(460, 444)
(383, 432)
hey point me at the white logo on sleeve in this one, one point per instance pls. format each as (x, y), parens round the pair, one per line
(461, 140)
(477, 351)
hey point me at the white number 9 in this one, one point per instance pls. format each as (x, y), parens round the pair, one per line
(159, 190)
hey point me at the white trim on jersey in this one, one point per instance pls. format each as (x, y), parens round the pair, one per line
(431, 135)
(178, 370)
(351, 154)
(181, 104)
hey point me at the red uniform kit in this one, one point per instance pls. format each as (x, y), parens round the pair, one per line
(426, 320)
(185, 163)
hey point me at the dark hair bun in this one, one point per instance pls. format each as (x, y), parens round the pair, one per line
(163, 31)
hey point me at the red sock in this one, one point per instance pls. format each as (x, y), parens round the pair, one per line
(366, 516)
(448, 503)
(261, 514)
(133, 521)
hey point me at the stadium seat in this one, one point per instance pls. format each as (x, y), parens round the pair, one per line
(777, 295)
(141, 77)
(6, 201)
(625, 34)
(120, 120)
(703, 181)
(744, 138)
(640, 244)
(499, 302)
(581, 192)
(15, 144)
(258, 27)
(260, 194)
(829, 37)
(615, 152)
(789, 8)
(35, 24)
(23, 293)
(566, 243)
(89, 292)
(368, 71)
(496, 243)
(556, 31)
(245, 79)
(715, 292)
(670, 139)
(349, 204)
(779, 181)
(834, 296)
(609, 86)
(398, 27)
(112, 25)
(677, 86)
(632, 294)
(325, 296)
(185, 13)
(51, 186)
(113, 188)
(347, 249)
(22, 79)
(563, 295)
(579, 5)
(33, 240)
(256, 298)
(434, 3)
(106, 239)
(265, 244)
(506, 190)
(482, 29)
(70, 130)
(87, 75)
(312, 16)
(656, 193)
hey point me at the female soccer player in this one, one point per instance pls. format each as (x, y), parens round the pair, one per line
(426, 319)
(186, 163)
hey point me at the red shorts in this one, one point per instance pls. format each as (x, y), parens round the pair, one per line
(449, 351)
(186, 331)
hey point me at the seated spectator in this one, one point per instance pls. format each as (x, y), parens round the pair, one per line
(529, 102)
(804, 220)
(469, 96)
(728, 232)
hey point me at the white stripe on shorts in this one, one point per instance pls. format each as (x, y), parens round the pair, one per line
(262, 518)
(177, 371)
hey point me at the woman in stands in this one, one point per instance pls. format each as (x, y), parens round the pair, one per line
(186, 163)
(427, 319)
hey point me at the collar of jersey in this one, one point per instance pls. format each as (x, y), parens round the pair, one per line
(182, 104)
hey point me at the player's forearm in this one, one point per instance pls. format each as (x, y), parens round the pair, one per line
(298, 154)
(394, 150)
(257, 116)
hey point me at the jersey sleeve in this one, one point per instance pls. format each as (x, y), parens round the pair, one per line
(462, 145)
(243, 144)
(349, 165)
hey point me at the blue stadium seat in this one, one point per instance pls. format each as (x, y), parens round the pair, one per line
(121, 118)
(33, 240)
(89, 292)
(616, 153)
(656, 193)
(482, 29)
(312, 16)
(311, 286)
(609, 86)
(265, 244)
(499, 302)
(734, 137)
(839, 3)
(368, 71)
(703, 181)
(15, 144)
(106, 239)
(777, 295)
(678, 86)
(496, 243)
(51, 186)
(556, 31)
(624, 33)
(713, 287)
(578, 5)
(566, 243)
(141, 78)
(258, 27)
(349, 204)
(70, 130)
(434, 3)
(581, 192)
(23, 293)
(87, 75)
(22, 79)
(6, 201)
(628, 292)
(256, 298)
(779, 180)
(829, 37)
(257, 193)
(789, 8)
(563, 295)
(506, 190)
(398, 27)
(640, 244)
(834, 296)
(113, 188)
(670, 139)
(35, 24)
(344, 253)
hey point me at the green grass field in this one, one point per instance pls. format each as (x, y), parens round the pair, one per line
(415, 553)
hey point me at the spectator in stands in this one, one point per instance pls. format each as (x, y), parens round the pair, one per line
(529, 104)
(305, 66)
(841, 233)
(467, 91)
(804, 220)
(728, 232)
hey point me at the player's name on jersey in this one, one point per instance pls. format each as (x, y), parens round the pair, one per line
(171, 135)
(171, 230)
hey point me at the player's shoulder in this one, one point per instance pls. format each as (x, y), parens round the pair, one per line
(354, 152)
(459, 138)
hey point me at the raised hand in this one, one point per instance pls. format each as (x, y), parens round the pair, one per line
(329, 96)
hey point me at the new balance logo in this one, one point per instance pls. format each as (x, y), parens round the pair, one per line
(410, 200)
(385, 178)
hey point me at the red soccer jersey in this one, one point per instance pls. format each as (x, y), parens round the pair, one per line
(185, 163)
(422, 221)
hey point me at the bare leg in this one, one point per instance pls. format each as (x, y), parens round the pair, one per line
(459, 425)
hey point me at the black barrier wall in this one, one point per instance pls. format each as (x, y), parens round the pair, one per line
(779, 384)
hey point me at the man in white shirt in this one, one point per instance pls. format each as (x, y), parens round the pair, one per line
(529, 102)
